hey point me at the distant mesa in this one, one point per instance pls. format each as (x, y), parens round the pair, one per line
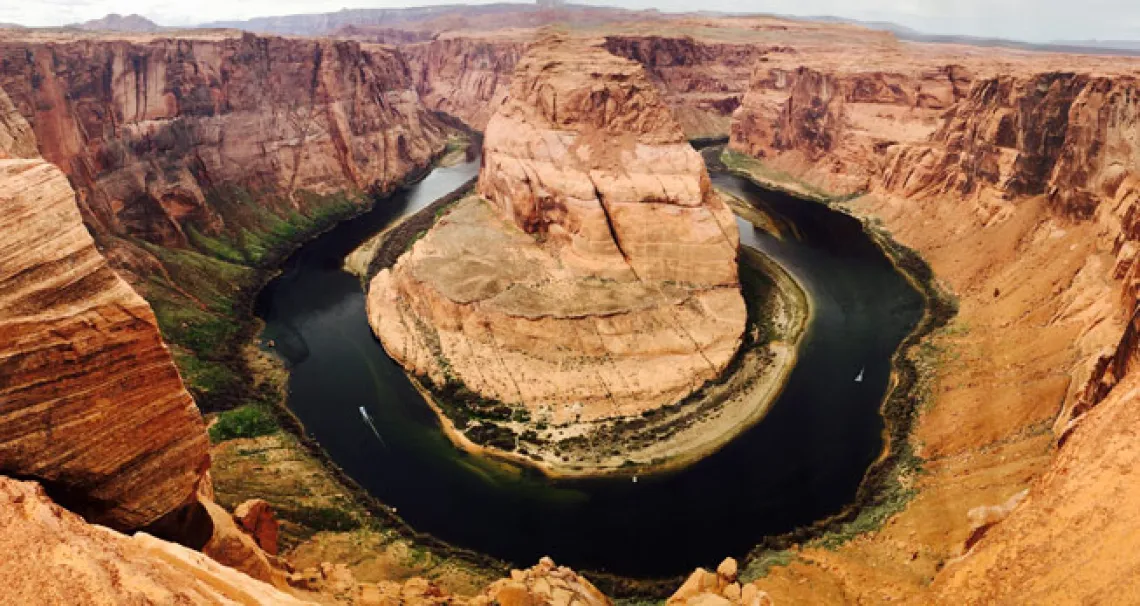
(114, 22)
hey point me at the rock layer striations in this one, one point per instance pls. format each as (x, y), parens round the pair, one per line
(594, 275)
(154, 132)
(90, 400)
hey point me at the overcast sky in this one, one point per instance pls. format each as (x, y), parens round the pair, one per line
(1035, 20)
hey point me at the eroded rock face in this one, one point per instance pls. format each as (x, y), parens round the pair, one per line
(1022, 196)
(468, 78)
(830, 126)
(16, 137)
(595, 275)
(152, 132)
(90, 400)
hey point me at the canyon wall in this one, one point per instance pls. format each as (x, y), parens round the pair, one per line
(1020, 190)
(831, 126)
(594, 276)
(90, 400)
(468, 78)
(152, 131)
(702, 81)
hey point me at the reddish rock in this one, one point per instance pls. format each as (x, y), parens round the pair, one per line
(256, 518)
(90, 401)
(150, 131)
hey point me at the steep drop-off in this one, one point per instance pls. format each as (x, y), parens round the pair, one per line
(1021, 195)
(593, 278)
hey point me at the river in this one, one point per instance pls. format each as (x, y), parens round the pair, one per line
(803, 462)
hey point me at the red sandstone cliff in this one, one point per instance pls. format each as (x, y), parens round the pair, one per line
(467, 78)
(90, 400)
(1022, 195)
(149, 129)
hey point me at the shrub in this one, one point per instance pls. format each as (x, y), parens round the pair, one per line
(248, 421)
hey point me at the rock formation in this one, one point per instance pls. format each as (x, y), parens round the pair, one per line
(90, 400)
(256, 518)
(720, 587)
(467, 78)
(830, 126)
(595, 274)
(545, 583)
(155, 133)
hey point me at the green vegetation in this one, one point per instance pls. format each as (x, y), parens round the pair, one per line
(202, 295)
(250, 421)
(759, 566)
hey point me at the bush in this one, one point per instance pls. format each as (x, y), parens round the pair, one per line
(249, 421)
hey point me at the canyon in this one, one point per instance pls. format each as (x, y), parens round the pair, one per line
(175, 165)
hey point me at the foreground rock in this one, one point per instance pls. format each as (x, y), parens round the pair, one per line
(594, 277)
(64, 560)
(704, 588)
(90, 400)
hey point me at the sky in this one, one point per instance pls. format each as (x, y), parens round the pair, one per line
(1032, 20)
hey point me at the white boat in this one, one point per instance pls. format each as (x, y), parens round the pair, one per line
(859, 378)
(372, 426)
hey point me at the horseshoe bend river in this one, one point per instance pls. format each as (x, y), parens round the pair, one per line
(801, 463)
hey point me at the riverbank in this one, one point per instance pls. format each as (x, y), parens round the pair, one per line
(661, 440)
(890, 483)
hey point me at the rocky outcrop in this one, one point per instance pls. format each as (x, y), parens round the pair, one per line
(704, 588)
(255, 517)
(469, 75)
(64, 560)
(16, 137)
(154, 134)
(90, 401)
(594, 277)
(702, 81)
(545, 583)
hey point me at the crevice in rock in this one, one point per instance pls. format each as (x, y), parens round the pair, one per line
(613, 231)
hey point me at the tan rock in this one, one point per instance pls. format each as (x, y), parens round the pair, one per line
(16, 137)
(545, 584)
(64, 560)
(704, 588)
(231, 546)
(727, 570)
